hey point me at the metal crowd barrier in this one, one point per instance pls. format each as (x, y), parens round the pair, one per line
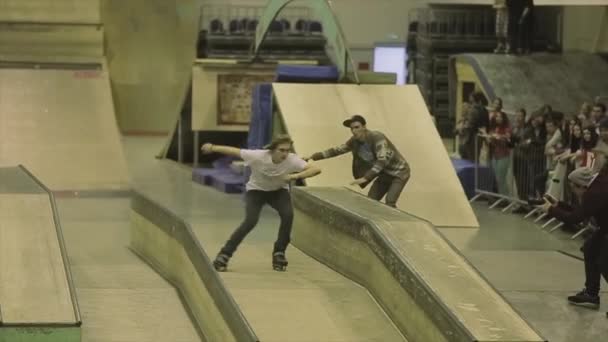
(523, 174)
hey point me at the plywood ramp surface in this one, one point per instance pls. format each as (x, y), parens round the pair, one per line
(60, 125)
(309, 302)
(33, 282)
(313, 116)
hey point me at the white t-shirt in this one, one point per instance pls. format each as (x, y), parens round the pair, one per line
(266, 175)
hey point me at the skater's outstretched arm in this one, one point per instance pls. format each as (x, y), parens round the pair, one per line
(310, 170)
(209, 148)
(332, 152)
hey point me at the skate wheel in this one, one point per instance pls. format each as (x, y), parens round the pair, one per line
(220, 268)
(280, 268)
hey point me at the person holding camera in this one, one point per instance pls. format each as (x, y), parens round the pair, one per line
(591, 188)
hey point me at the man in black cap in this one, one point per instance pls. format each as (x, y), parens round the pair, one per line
(592, 190)
(374, 158)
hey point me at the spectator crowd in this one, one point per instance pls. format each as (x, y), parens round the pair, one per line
(530, 155)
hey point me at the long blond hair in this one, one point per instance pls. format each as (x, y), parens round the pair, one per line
(279, 140)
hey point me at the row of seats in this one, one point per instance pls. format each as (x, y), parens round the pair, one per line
(248, 26)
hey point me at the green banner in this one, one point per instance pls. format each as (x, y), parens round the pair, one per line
(335, 37)
(331, 30)
(273, 7)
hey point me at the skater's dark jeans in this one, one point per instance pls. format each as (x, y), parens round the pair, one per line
(595, 251)
(280, 200)
(389, 186)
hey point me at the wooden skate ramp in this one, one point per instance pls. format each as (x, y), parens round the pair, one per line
(313, 115)
(250, 302)
(429, 291)
(37, 297)
(60, 124)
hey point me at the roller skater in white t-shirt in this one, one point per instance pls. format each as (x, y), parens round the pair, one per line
(272, 170)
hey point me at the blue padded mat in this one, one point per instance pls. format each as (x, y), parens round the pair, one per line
(260, 124)
(465, 170)
(306, 74)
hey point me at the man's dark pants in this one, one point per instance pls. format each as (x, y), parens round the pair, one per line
(387, 185)
(595, 251)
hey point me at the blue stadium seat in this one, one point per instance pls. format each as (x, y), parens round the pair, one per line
(276, 27)
(252, 25)
(286, 24)
(315, 27)
(302, 25)
(234, 26)
(216, 26)
(243, 24)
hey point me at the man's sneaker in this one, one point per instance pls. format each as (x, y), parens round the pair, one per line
(585, 299)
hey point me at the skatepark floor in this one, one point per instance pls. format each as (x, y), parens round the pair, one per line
(527, 266)
(532, 270)
(522, 262)
(121, 298)
(309, 302)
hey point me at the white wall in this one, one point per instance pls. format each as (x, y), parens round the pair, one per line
(365, 22)
(582, 26)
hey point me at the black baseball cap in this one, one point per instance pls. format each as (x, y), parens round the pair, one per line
(354, 118)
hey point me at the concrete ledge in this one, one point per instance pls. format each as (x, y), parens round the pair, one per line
(37, 298)
(168, 244)
(428, 289)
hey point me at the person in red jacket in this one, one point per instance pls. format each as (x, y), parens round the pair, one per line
(592, 190)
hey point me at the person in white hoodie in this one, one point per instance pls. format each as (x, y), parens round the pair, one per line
(272, 170)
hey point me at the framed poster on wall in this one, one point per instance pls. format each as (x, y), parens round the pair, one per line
(235, 95)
